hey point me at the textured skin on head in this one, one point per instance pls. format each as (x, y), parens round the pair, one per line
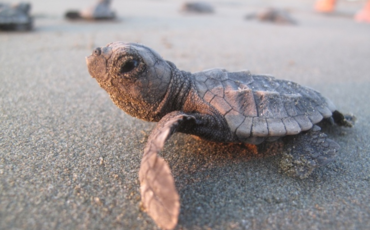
(140, 92)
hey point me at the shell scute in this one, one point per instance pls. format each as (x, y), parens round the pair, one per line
(242, 100)
(235, 118)
(259, 127)
(291, 125)
(244, 130)
(304, 122)
(269, 104)
(276, 127)
(221, 105)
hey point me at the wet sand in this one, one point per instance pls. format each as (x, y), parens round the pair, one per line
(69, 157)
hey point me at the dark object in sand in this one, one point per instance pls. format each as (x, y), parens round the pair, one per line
(272, 15)
(15, 17)
(100, 11)
(197, 7)
(216, 105)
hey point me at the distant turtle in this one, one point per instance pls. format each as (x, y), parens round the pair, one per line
(197, 7)
(272, 15)
(215, 105)
(15, 17)
(100, 11)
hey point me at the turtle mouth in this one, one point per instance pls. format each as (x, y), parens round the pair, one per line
(97, 62)
(89, 60)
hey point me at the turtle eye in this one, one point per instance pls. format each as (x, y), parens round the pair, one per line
(97, 52)
(129, 66)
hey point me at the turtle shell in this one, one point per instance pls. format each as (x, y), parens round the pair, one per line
(260, 107)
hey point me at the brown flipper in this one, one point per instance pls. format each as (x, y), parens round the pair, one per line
(157, 186)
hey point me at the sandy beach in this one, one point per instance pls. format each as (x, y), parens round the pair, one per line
(69, 158)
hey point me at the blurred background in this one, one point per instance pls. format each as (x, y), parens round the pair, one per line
(203, 38)
(69, 157)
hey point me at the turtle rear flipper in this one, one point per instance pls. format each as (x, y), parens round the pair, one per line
(157, 186)
(307, 151)
(73, 15)
(345, 120)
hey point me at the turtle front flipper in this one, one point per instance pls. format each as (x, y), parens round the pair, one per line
(157, 185)
(306, 151)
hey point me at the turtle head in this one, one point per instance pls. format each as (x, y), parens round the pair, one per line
(135, 77)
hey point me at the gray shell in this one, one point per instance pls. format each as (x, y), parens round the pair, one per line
(15, 17)
(101, 10)
(197, 7)
(258, 107)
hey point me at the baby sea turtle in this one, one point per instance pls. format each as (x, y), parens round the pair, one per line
(100, 11)
(215, 105)
(15, 17)
(273, 15)
(197, 7)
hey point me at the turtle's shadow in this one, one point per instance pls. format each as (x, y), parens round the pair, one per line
(217, 182)
(211, 177)
(335, 132)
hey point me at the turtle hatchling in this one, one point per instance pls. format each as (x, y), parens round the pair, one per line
(215, 105)
(100, 11)
(272, 15)
(197, 7)
(15, 17)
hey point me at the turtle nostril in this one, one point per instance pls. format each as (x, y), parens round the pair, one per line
(97, 52)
